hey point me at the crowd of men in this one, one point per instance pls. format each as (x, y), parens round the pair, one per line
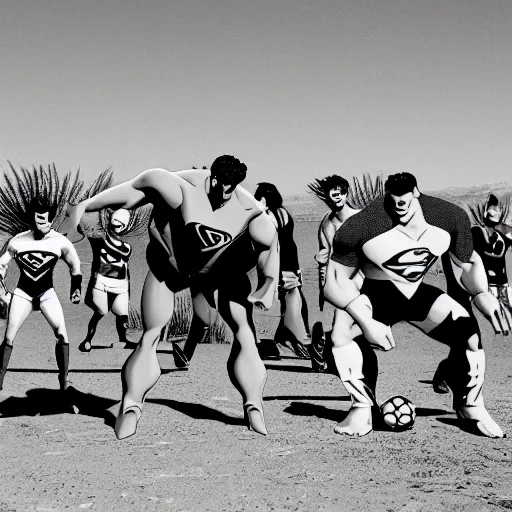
(207, 232)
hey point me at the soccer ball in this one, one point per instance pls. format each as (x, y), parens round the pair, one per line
(398, 413)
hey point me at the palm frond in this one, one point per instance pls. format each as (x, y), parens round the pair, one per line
(316, 188)
(22, 186)
(101, 183)
(365, 190)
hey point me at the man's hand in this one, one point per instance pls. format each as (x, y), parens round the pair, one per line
(379, 335)
(70, 227)
(76, 296)
(490, 308)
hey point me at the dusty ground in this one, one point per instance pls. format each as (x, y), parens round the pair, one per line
(193, 453)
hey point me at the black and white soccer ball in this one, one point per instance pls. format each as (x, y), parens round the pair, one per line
(398, 413)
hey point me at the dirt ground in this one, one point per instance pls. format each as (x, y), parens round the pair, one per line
(193, 453)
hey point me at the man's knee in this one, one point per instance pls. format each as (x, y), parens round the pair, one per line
(460, 330)
(61, 338)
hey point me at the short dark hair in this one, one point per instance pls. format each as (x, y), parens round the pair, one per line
(272, 196)
(42, 205)
(492, 201)
(228, 170)
(334, 181)
(400, 183)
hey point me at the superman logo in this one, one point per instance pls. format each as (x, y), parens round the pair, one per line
(411, 264)
(211, 238)
(36, 263)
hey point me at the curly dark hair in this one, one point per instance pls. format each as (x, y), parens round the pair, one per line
(272, 196)
(321, 187)
(228, 170)
(400, 183)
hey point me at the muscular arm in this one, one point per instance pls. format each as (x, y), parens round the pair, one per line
(471, 275)
(70, 256)
(263, 231)
(133, 193)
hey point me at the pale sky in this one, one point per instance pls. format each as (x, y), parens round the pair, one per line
(296, 89)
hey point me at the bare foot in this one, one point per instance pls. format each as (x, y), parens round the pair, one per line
(482, 419)
(357, 423)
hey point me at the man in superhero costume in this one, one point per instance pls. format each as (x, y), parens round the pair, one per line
(394, 241)
(36, 253)
(206, 232)
(110, 280)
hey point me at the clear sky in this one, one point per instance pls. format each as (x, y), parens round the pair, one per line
(296, 89)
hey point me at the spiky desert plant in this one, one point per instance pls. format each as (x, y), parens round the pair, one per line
(139, 218)
(21, 186)
(134, 318)
(365, 190)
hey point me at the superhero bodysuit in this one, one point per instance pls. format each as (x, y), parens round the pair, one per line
(202, 248)
(109, 266)
(36, 260)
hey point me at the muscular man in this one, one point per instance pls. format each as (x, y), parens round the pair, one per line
(395, 241)
(492, 245)
(333, 190)
(36, 253)
(206, 232)
(110, 281)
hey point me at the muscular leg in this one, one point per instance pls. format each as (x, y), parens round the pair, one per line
(100, 309)
(120, 310)
(19, 309)
(357, 366)
(141, 370)
(245, 368)
(448, 322)
(52, 311)
(201, 320)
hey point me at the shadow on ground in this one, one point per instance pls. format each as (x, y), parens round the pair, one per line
(198, 411)
(44, 402)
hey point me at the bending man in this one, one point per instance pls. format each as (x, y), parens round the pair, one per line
(206, 232)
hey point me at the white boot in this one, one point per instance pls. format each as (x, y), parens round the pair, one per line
(349, 362)
(472, 406)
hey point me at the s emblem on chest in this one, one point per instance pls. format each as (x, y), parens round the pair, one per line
(411, 264)
(211, 238)
(36, 263)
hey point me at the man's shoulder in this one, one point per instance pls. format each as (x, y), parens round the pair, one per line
(20, 237)
(247, 200)
(443, 211)
(193, 177)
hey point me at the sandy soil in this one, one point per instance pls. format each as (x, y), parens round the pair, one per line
(192, 451)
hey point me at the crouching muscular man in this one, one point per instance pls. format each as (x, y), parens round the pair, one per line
(394, 241)
(206, 233)
(36, 252)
